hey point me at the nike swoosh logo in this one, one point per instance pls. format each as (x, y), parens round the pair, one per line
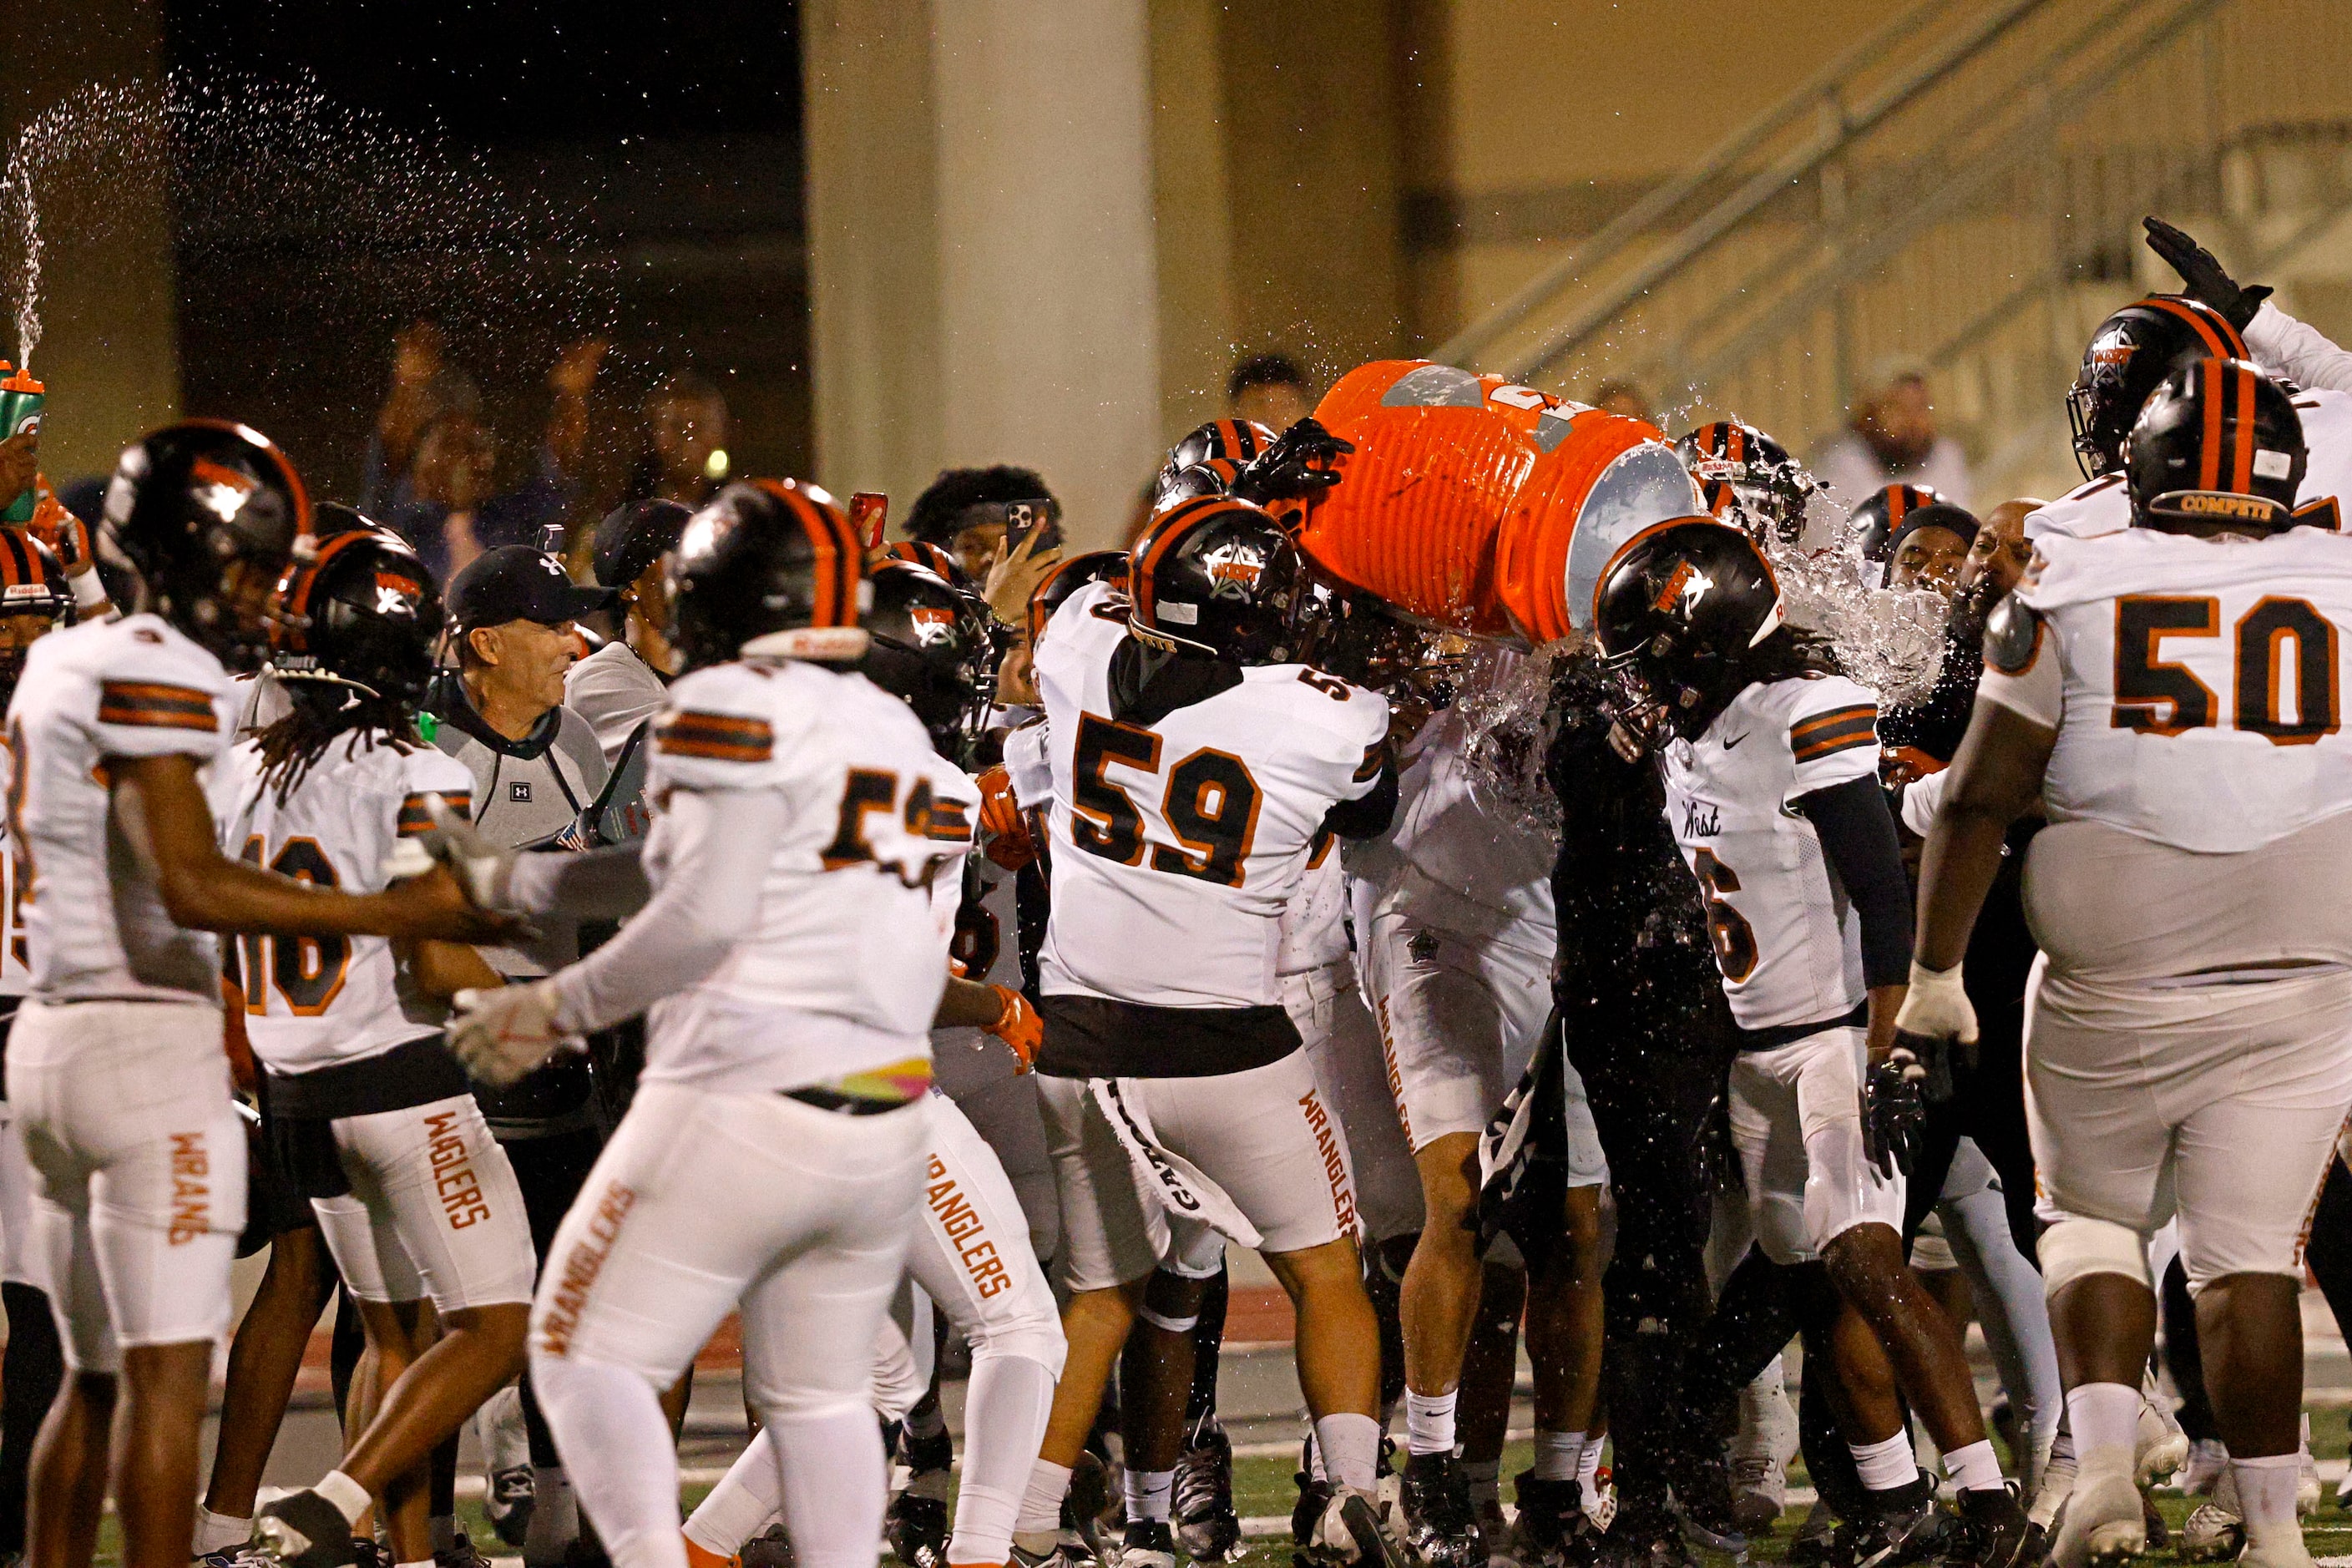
(1736, 738)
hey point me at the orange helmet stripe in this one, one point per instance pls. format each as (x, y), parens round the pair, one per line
(2208, 456)
(2224, 343)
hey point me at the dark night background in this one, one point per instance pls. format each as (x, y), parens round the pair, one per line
(667, 136)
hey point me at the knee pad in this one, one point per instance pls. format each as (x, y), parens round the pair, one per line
(1030, 1339)
(2075, 1247)
(1174, 1325)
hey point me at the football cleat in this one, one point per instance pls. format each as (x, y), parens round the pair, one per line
(1553, 1530)
(2214, 1534)
(1205, 1520)
(1441, 1527)
(461, 1553)
(1991, 1531)
(1147, 1543)
(916, 1528)
(1908, 1527)
(2105, 1522)
(2158, 1445)
(303, 1530)
(1350, 1533)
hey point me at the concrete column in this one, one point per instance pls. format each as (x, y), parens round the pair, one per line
(110, 345)
(982, 259)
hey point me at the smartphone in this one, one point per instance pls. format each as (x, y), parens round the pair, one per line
(1042, 516)
(869, 514)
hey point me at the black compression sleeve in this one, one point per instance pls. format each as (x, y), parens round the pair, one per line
(1857, 834)
(1368, 815)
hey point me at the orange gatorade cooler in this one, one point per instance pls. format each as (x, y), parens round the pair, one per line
(1474, 503)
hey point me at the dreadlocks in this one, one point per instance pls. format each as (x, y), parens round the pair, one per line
(321, 712)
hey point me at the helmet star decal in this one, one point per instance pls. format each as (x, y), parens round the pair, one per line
(1234, 569)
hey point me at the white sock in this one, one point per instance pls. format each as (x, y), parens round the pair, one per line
(218, 1531)
(349, 1498)
(2104, 1417)
(1883, 1467)
(835, 1486)
(2266, 1495)
(1974, 1468)
(1429, 1422)
(1041, 1502)
(1486, 1482)
(1005, 1407)
(1350, 1445)
(1556, 1454)
(609, 1423)
(1588, 1465)
(420, 1562)
(1149, 1493)
(741, 1505)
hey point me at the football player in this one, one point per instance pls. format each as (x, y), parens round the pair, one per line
(1458, 945)
(1870, 527)
(1771, 767)
(115, 1067)
(2285, 346)
(774, 1155)
(2167, 695)
(35, 600)
(2129, 355)
(972, 1256)
(1193, 762)
(1749, 480)
(371, 1117)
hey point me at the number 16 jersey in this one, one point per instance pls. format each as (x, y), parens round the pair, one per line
(1177, 844)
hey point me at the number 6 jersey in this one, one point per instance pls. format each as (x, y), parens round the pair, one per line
(2197, 686)
(1177, 843)
(1786, 936)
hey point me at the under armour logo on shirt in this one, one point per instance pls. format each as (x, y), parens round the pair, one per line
(519, 792)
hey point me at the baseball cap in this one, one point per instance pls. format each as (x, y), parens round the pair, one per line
(633, 537)
(516, 582)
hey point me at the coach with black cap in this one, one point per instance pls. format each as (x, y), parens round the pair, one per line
(621, 685)
(536, 763)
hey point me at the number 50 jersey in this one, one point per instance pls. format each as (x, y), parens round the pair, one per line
(1177, 844)
(2197, 685)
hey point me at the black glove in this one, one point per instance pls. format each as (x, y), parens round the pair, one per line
(1297, 465)
(2203, 274)
(1937, 1056)
(1893, 1109)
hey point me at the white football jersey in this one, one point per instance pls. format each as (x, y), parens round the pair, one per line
(315, 1001)
(16, 950)
(1315, 922)
(1456, 860)
(1177, 846)
(2103, 505)
(132, 688)
(1787, 938)
(2196, 685)
(844, 969)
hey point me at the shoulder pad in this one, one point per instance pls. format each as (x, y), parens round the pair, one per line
(2012, 636)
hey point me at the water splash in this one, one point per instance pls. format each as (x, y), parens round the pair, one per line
(1889, 639)
(1504, 702)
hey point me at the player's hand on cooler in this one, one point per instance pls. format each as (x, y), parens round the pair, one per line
(1893, 1107)
(1018, 1026)
(501, 1035)
(2203, 275)
(1300, 463)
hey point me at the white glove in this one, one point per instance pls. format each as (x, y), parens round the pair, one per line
(482, 869)
(1936, 1006)
(499, 1034)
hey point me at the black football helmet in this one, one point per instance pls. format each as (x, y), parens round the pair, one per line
(768, 567)
(207, 515)
(1217, 576)
(1207, 461)
(2218, 450)
(1068, 575)
(940, 563)
(364, 613)
(2132, 351)
(32, 582)
(1749, 480)
(1873, 523)
(931, 647)
(1678, 614)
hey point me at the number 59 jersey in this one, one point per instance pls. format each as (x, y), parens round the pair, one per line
(315, 1001)
(2197, 685)
(1176, 844)
(1786, 937)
